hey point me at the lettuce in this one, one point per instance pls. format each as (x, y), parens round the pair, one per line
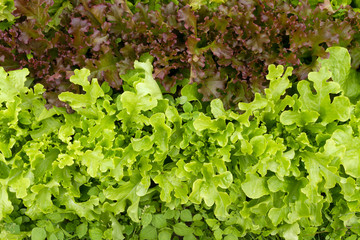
(339, 63)
(6, 8)
(223, 46)
(138, 164)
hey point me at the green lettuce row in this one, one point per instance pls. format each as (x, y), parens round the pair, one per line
(140, 165)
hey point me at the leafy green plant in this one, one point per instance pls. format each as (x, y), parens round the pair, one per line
(327, 3)
(6, 17)
(142, 165)
(196, 4)
(6, 7)
(347, 77)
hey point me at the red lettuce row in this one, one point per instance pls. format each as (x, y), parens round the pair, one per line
(226, 51)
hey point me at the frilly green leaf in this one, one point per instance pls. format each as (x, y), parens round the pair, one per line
(339, 64)
(320, 101)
